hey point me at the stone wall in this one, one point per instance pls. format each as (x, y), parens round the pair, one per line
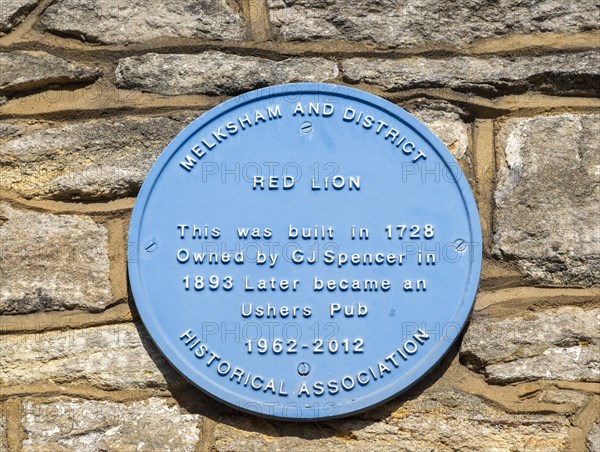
(92, 90)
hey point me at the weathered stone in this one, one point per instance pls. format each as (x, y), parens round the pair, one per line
(592, 440)
(562, 74)
(564, 397)
(52, 262)
(90, 425)
(547, 197)
(107, 357)
(440, 421)
(392, 23)
(3, 439)
(12, 12)
(24, 70)
(91, 160)
(445, 120)
(7, 130)
(216, 73)
(558, 344)
(117, 22)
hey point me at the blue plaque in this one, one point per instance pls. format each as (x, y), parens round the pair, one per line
(305, 251)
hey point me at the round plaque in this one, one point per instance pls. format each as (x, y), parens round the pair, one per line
(305, 251)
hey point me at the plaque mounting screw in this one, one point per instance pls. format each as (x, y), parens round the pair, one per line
(303, 369)
(460, 245)
(150, 246)
(306, 127)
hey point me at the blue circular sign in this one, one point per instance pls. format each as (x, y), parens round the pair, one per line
(305, 251)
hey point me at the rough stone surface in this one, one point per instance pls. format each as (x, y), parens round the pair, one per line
(109, 357)
(24, 70)
(392, 23)
(91, 91)
(440, 421)
(216, 73)
(7, 130)
(592, 440)
(12, 12)
(89, 426)
(559, 344)
(445, 120)
(52, 262)
(3, 439)
(91, 160)
(563, 397)
(117, 22)
(547, 197)
(564, 74)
